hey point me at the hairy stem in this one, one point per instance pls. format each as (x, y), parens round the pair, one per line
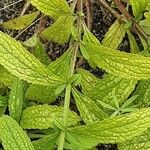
(65, 116)
(68, 88)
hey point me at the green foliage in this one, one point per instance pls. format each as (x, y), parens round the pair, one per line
(53, 8)
(143, 90)
(6, 78)
(109, 106)
(113, 130)
(119, 63)
(40, 52)
(114, 36)
(145, 24)
(60, 67)
(102, 90)
(89, 110)
(19, 62)
(46, 143)
(141, 142)
(60, 30)
(12, 135)
(20, 22)
(138, 6)
(88, 80)
(45, 116)
(16, 98)
(133, 44)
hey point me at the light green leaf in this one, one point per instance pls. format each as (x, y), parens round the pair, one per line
(88, 38)
(12, 135)
(20, 22)
(40, 53)
(3, 101)
(60, 67)
(88, 80)
(141, 142)
(102, 90)
(129, 101)
(143, 92)
(43, 94)
(45, 116)
(113, 130)
(5, 77)
(19, 62)
(16, 98)
(145, 24)
(59, 31)
(89, 110)
(53, 8)
(114, 36)
(134, 48)
(119, 63)
(31, 42)
(138, 6)
(46, 143)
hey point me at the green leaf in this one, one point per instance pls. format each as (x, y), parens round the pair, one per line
(53, 8)
(114, 36)
(59, 31)
(141, 142)
(129, 101)
(46, 143)
(138, 6)
(60, 67)
(31, 42)
(113, 130)
(45, 116)
(12, 135)
(143, 92)
(107, 106)
(40, 53)
(20, 22)
(145, 24)
(19, 62)
(134, 48)
(88, 80)
(88, 38)
(89, 111)
(5, 77)
(118, 63)
(16, 98)
(102, 90)
(3, 101)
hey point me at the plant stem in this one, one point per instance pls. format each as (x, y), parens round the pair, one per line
(136, 28)
(69, 88)
(114, 12)
(88, 16)
(25, 7)
(65, 116)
